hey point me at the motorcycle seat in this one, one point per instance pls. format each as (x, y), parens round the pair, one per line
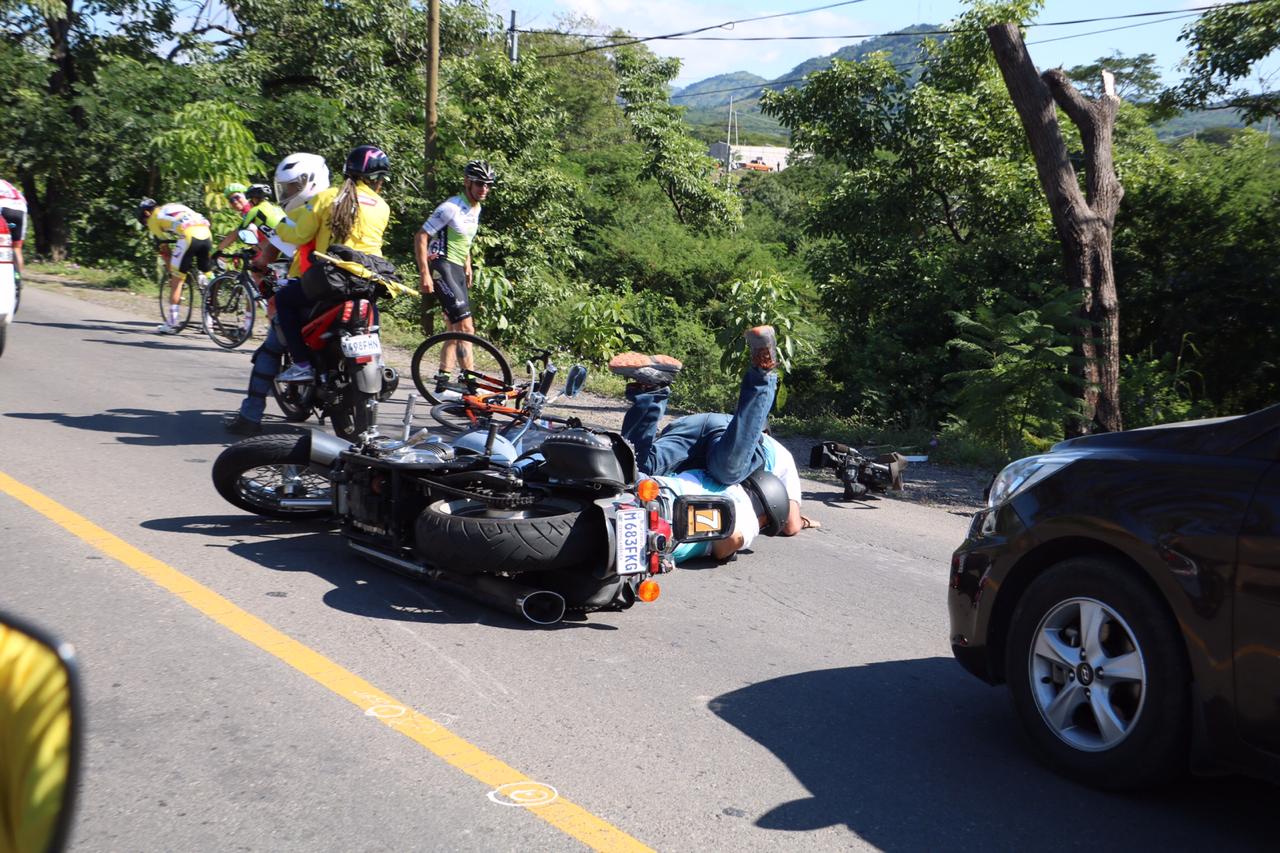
(589, 458)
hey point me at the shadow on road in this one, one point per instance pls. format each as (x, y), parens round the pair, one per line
(917, 755)
(118, 326)
(153, 428)
(359, 587)
(161, 342)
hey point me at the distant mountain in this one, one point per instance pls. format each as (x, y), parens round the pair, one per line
(691, 96)
(902, 49)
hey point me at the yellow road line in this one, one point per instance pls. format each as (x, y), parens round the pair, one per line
(509, 786)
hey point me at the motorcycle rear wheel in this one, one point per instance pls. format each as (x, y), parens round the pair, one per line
(295, 399)
(260, 473)
(354, 413)
(466, 535)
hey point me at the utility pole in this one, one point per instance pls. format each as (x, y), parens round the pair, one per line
(513, 40)
(427, 313)
(433, 78)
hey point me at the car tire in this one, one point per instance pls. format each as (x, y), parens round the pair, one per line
(1126, 729)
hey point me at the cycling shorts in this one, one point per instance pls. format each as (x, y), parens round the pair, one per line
(450, 281)
(17, 220)
(187, 250)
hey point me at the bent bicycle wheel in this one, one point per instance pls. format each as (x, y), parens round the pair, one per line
(228, 312)
(489, 368)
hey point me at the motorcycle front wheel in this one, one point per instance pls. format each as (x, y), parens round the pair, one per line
(469, 536)
(270, 475)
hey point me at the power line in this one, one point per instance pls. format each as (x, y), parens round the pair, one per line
(695, 31)
(691, 35)
(905, 65)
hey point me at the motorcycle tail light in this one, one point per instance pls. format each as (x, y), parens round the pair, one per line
(647, 490)
(648, 590)
(655, 563)
(363, 359)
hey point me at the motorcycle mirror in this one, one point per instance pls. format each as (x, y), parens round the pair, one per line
(574, 380)
(40, 728)
(248, 236)
(703, 518)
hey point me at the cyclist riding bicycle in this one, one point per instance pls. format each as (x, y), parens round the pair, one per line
(298, 179)
(194, 243)
(443, 250)
(354, 216)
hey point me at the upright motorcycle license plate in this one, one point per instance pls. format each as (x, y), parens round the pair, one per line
(357, 345)
(631, 529)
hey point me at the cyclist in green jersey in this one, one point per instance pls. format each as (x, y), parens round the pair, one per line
(443, 250)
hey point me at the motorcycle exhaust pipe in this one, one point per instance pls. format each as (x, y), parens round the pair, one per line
(539, 606)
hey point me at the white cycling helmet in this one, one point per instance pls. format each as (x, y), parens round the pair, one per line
(299, 177)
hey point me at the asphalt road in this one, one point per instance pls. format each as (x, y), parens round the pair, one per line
(800, 698)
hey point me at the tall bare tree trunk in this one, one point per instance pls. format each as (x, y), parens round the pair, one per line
(1084, 222)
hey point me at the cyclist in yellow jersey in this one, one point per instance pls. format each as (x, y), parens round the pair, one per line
(353, 215)
(195, 242)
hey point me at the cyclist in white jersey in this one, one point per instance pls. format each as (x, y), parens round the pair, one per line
(13, 208)
(443, 250)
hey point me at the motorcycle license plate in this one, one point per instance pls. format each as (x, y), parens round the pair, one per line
(631, 532)
(357, 345)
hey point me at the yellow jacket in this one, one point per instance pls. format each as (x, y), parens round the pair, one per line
(178, 220)
(308, 227)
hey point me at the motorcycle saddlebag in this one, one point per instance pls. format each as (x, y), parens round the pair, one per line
(324, 281)
(583, 456)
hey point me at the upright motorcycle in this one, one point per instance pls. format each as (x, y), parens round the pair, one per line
(346, 351)
(565, 526)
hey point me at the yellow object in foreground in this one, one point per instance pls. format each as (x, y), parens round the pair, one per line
(35, 740)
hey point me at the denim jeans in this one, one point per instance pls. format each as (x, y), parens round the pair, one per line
(727, 446)
(291, 310)
(266, 364)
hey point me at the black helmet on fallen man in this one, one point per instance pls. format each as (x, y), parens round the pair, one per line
(144, 209)
(480, 171)
(769, 499)
(367, 162)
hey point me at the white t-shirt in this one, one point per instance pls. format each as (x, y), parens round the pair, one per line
(11, 198)
(780, 463)
(699, 482)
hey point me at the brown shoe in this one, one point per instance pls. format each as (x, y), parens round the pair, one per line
(764, 349)
(655, 370)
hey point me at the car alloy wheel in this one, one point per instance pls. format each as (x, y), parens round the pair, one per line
(1087, 674)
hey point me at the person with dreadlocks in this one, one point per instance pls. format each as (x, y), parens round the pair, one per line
(353, 215)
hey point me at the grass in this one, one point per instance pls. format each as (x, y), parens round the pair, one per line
(108, 279)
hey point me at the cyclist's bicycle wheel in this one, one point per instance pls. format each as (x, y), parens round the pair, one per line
(490, 371)
(189, 291)
(229, 310)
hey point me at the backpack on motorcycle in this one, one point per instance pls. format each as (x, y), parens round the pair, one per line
(324, 281)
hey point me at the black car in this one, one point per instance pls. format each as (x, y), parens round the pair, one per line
(1126, 586)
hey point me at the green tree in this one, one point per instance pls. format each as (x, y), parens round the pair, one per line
(1226, 44)
(676, 160)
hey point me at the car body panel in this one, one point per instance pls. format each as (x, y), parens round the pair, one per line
(1192, 508)
(1257, 622)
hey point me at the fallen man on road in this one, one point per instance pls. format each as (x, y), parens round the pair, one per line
(728, 448)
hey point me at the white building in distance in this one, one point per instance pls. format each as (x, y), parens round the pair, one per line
(774, 158)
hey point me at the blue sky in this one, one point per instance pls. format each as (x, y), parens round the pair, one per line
(769, 59)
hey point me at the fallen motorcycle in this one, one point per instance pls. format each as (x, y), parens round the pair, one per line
(565, 526)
